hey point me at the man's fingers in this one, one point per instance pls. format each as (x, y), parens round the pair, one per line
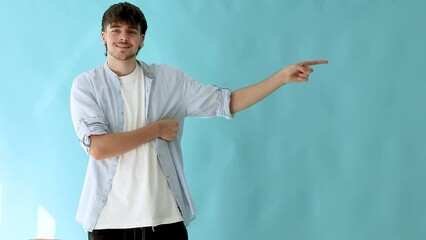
(302, 75)
(304, 69)
(312, 62)
(300, 72)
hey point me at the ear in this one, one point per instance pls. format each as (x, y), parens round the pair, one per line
(103, 36)
(142, 40)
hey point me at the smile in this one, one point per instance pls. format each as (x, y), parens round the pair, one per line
(122, 45)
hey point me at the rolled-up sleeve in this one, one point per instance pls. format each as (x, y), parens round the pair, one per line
(87, 116)
(205, 100)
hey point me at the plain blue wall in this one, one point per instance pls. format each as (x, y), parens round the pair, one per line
(341, 157)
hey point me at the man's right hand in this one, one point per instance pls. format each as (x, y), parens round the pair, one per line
(167, 129)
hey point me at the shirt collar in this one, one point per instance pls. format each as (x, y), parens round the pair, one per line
(145, 68)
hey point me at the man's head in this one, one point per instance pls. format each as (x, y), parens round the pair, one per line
(122, 14)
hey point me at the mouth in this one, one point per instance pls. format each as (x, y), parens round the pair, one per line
(122, 45)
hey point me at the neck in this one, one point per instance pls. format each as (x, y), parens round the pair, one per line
(121, 67)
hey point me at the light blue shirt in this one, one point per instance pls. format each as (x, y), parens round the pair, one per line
(97, 108)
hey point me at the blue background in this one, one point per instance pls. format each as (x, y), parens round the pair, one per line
(340, 157)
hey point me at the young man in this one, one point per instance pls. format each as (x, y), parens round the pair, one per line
(128, 116)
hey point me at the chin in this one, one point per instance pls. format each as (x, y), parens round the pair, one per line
(122, 57)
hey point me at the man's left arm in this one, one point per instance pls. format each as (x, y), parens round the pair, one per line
(248, 96)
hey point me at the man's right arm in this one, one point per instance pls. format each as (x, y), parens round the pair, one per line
(115, 144)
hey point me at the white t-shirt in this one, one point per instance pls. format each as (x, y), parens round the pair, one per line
(140, 195)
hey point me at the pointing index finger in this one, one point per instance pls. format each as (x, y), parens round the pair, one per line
(313, 62)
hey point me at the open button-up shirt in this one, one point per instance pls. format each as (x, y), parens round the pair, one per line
(97, 108)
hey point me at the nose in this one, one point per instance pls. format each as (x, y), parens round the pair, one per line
(124, 37)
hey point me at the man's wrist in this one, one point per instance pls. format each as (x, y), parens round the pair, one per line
(156, 128)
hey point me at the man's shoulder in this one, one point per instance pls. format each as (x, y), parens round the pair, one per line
(98, 72)
(160, 69)
(100, 69)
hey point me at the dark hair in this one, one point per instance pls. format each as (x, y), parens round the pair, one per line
(124, 13)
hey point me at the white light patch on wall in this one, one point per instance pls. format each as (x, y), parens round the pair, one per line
(45, 224)
(0, 205)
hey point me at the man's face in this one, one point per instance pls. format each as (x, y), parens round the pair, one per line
(122, 41)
